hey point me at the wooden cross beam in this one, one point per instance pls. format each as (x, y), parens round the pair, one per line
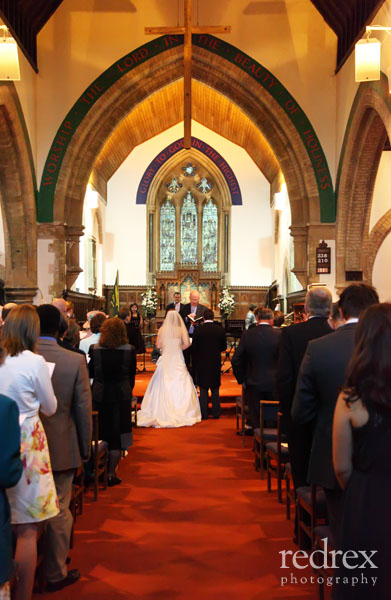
(187, 30)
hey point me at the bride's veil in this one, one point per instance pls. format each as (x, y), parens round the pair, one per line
(173, 328)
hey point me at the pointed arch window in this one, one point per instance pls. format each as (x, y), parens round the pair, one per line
(167, 236)
(209, 237)
(189, 225)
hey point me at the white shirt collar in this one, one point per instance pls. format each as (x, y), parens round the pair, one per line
(351, 320)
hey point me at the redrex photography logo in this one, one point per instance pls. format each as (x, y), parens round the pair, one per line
(329, 560)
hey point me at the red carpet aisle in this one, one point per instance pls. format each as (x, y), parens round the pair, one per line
(191, 521)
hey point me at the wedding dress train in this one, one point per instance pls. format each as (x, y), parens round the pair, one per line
(171, 398)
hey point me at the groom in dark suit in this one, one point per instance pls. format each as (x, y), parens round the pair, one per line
(209, 341)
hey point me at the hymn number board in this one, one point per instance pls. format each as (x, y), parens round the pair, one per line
(323, 258)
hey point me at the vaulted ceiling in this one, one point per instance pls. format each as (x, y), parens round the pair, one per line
(347, 18)
(165, 108)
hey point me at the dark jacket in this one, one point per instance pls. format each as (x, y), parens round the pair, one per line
(209, 341)
(255, 359)
(187, 311)
(181, 309)
(69, 430)
(293, 344)
(11, 469)
(113, 370)
(321, 378)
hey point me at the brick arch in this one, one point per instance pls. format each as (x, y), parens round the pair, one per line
(366, 133)
(17, 197)
(296, 151)
(373, 243)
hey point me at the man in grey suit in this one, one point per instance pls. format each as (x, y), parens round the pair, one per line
(321, 377)
(68, 433)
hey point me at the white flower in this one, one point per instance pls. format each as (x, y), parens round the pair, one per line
(227, 302)
(149, 302)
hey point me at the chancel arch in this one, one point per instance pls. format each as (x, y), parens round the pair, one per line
(17, 197)
(367, 132)
(286, 147)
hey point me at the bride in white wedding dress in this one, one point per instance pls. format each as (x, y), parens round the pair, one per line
(171, 399)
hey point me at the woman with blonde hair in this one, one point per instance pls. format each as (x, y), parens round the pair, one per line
(24, 377)
(171, 399)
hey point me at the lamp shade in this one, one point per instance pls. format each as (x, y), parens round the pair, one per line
(9, 63)
(368, 60)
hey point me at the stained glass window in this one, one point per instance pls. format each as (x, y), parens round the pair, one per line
(204, 185)
(167, 236)
(189, 230)
(209, 237)
(174, 186)
(189, 170)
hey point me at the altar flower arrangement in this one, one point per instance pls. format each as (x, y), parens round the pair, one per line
(227, 303)
(149, 302)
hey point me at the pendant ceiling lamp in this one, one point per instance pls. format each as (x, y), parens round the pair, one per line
(9, 61)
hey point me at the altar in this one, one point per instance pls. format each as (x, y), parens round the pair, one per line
(186, 279)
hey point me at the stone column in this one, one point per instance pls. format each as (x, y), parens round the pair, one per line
(300, 237)
(72, 238)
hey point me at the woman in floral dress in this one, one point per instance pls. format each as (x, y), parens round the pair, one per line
(25, 378)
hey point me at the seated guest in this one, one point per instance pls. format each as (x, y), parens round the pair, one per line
(361, 456)
(95, 326)
(250, 317)
(113, 368)
(24, 377)
(69, 433)
(11, 468)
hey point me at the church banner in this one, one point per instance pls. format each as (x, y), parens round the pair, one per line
(177, 146)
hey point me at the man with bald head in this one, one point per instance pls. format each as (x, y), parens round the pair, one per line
(61, 304)
(193, 310)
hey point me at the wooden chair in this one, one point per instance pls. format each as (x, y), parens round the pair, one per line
(311, 513)
(241, 414)
(40, 576)
(322, 532)
(100, 456)
(276, 458)
(134, 410)
(267, 412)
(76, 504)
(290, 494)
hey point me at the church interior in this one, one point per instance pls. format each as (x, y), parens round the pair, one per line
(288, 150)
(231, 146)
